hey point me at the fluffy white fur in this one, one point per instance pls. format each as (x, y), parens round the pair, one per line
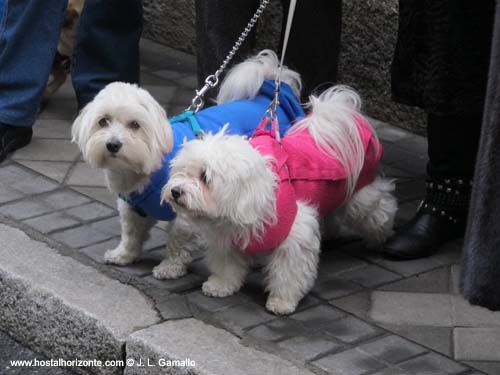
(225, 188)
(337, 105)
(245, 79)
(126, 115)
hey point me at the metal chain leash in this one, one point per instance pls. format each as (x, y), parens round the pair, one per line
(213, 80)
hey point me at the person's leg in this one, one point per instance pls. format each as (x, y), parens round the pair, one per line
(314, 44)
(441, 65)
(107, 47)
(442, 216)
(219, 23)
(453, 142)
(61, 67)
(29, 31)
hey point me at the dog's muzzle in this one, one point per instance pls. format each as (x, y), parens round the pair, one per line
(176, 193)
(114, 146)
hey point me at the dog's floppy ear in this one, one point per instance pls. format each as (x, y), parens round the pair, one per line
(158, 119)
(80, 130)
(76, 127)
(249, 207)
(253, 199)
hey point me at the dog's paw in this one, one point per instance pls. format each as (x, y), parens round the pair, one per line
(217, 287)
(279, 306)
(167, 271)
(119, 257)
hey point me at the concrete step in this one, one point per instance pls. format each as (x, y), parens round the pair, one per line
(63, 308)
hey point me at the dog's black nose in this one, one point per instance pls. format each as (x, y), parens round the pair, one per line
(114, 147)
(176, 193)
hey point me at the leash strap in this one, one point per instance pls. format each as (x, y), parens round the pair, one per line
(271, 111)
(262, 127)
(288, 28)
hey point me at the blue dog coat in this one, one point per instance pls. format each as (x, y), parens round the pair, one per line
(242, 116)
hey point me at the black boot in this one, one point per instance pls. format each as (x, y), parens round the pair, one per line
(13, 138)
(441, 217)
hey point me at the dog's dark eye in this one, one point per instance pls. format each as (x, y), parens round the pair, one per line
(203, 177)
(134, 125)
(103, 122)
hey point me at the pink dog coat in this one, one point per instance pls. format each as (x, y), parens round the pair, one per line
(308, 174)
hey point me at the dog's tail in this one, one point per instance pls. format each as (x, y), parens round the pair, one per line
(333, 123)
(244, 80)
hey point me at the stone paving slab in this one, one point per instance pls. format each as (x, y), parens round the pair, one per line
(432, 363)
(19, 182)
(242, 316)
(7, 194)
(63, 199)
(430, 309)
(284, 328)
(392, 349)
(466, 315)
(329, 287)
(208, 347)
(57, 129)
(24, 209)
(439, 339)
(391, 135)
(48, 150)
(436, 281)
(370, 276)
(55, 170)
(455, 279)
(90, 211)
(51, 222)
(486, 367)
(81, 236)
(83, 174)
(477, 343)
(307, 348)
(100, 194)
(351, 330)
(60, 109)
(350, 362)
(62, 307)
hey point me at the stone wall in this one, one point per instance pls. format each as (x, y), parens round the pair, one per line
(369, 29)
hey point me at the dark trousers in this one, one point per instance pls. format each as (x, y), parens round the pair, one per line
(453, 142)
(107, 47)
(313, 47)
(441, 65)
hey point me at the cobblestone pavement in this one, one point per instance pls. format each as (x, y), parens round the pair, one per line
(366, 315)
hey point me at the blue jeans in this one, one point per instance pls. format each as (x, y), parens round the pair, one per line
(107, 50)
(29, 31)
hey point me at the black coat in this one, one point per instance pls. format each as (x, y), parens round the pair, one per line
(480, 279)
(442, 54)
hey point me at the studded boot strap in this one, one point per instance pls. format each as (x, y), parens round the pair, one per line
(448, 198)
